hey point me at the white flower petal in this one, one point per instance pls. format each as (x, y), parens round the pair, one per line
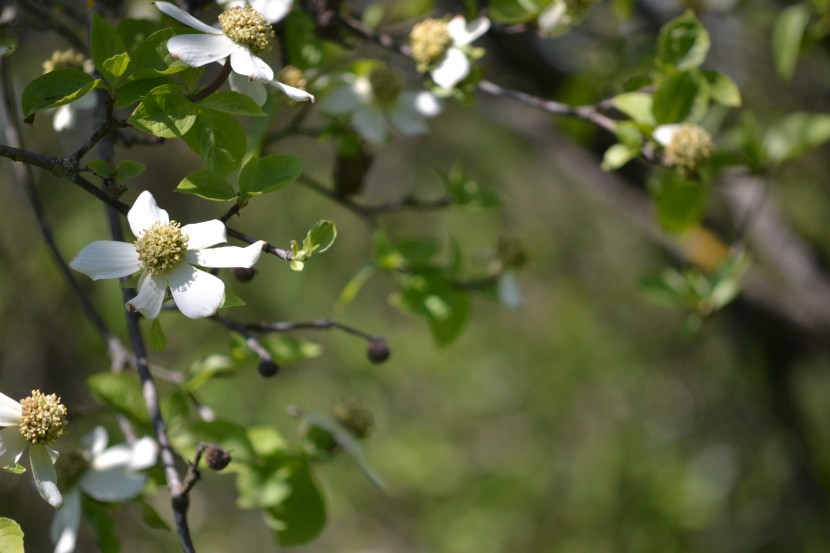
(197, 293)
(144, 453)
(225, 257)
(664, 133)
(64, 118)
(185, 18)
(463, 33)
(272, 10)
(64, 527)
(106, 259)
(199, 50)
(53, 454)
(452, 69)
(150, 295)
(95, 441)
(12, 445)
(424, 102)
(113, 485)
(408, 121)
(136, 456)
(296, 94)
(244, 62)
(46, 479)
(10, 411)
(369, 123)
(204, 235)
(410, 110)
(253, 89)
(144, 213)
(344, 98)
(552, 17)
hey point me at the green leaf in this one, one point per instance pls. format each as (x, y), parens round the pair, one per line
(15, 469)
(211, 367)
(722, 89)
(128, 169)
(219, 139)
(430, 295)
(133, 92)
(636, 105)
(98, 516)
(355, 285)
(512, 12)
(683, 44)
(795, 134)
(150, 59)
(165, 112)
(122, 392)
(618, 155)
(208, 185)
(10, 43)
(302, 45)
(228, 101)
(135, 31)
(158, 341)
(116, 66)
(228, 435)
(319, 238)
(231, 300)
(267, 174)
(680, 97)
(11, 536)
(105, 43)
(100, 168)
(287, 349)
(302, 515)
(681, 203)
(462, 190)
(56, 88)
(787, 36)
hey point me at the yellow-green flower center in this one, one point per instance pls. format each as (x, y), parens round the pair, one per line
(690, 146)
(246, 27)
(70, 467)
(161, 247)
(43, 418)
(430, 39)
(67, 59)
(292, 76)
(386, 85)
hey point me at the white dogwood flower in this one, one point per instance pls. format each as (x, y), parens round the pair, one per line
(376, 100)
(442, 48)
(166, 252)
(244, 34)
(36, 421)
(104, 474)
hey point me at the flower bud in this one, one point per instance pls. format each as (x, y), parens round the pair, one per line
(267, 368)
(216, 458)
(244, 274)
(378, 351)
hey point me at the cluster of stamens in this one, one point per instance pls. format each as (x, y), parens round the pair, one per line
(292, 76)
(386, 85)
(161, 247)
(689, 147)
(43, 418)
(429, 40)
(246, 27)
(67, 59)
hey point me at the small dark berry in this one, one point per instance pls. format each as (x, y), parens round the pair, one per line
(268, 368)
(216, 458)
(378, 351)
(243, 275)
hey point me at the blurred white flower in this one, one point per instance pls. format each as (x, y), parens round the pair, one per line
(36, 421)
(166, 253)
(103, 474)
(376, 101)
(244, 35)
(442, 47)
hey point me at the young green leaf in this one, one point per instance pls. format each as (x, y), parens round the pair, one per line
(128, 169)
(165, 113)
(106, 45)
(683, 44)
(158, 340)
(787, 37)
(680, 97)
(681, 202)
(56, 88)
(100, 168)
(301, 516)
(795, 134)
(228, 101)
(121, 392)
(267, 174)
(208, 185)
(219, 139)
(11, 536)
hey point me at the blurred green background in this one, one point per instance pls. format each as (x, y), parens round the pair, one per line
(585, 420)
